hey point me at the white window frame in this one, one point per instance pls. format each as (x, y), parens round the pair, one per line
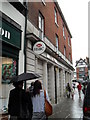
(69, 40)
(69, 57)
(55, 14)
(65, 51)
(64, 32)
(41, 25)
(57, 41)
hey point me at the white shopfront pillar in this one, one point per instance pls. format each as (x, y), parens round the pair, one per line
(58, 85)
(61, 83)
(45, 79)
(52, 79)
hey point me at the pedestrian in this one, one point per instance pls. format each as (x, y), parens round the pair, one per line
(72, 93)
(30, 89)
(19, 104)
(68, 90)
(79, 89)
(38, 101)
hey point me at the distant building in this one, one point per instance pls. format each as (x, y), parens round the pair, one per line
(82, 69)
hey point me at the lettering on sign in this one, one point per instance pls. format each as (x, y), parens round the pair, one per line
(5, 33)
(39, 47)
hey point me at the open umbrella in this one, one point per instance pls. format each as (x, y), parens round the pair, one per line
(79, 81)
(24, 77)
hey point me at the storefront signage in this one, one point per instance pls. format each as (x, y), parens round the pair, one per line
(39, 47)
(10, 34)
(5, 33)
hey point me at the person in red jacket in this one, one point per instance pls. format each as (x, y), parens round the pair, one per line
(79, 89)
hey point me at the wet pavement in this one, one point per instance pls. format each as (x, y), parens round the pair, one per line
(69, 108)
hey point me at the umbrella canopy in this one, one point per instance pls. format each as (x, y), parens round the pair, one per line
(24, 77)
(79, 81)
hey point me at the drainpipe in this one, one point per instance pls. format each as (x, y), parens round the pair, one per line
(25, 42)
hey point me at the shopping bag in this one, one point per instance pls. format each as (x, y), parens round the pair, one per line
(48, 106)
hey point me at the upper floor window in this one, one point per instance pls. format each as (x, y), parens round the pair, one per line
(69, 57)
(55, 13)
(57, 42)
(64, 32)
(64, 51)
(68, 40)
(82, 69)
(41, 26)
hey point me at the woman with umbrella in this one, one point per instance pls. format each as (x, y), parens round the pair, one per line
(19, 105)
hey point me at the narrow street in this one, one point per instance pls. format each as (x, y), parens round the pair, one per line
(69, 108)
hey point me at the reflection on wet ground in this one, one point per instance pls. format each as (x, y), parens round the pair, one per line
(69, 108)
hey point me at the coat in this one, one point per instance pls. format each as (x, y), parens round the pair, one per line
(19, 103)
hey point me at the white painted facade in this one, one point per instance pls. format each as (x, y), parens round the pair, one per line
(11, 12)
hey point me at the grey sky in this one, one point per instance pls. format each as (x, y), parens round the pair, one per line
(76, 16)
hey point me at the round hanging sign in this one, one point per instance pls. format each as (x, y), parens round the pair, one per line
(39, 47)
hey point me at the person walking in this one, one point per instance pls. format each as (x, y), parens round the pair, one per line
(30, 89)
(68, 90)
(79, 89)
(38, 101)
(19, 104)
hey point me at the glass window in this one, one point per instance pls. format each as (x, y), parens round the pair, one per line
(63, 31)
(69, 57)
(82, 69)
(55, 12)
(57, 42)
(41, 26)
(68, 40)
(64, 51)
(8, 69)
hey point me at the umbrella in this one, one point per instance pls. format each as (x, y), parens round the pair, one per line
(24, 77)
(79, 81)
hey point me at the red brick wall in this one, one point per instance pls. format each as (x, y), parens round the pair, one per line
(50, 27)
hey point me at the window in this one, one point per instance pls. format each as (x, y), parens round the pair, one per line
(81, 69)
(64, 51)
(8, 69)
(69, 57)
(57, 42)
(68, 40)
(41, 26)
(55, 13)
(64, 32)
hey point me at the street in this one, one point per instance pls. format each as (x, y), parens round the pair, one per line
(69, 108)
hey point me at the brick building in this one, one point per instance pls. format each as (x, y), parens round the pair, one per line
(46, 23)
(82, 69)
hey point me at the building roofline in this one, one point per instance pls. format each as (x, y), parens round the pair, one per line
(60, 11)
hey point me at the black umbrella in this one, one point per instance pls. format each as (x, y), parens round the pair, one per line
(24, 77)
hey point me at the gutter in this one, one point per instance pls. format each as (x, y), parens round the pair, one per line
(25, 42)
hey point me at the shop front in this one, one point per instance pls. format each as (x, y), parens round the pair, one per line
(10, 42)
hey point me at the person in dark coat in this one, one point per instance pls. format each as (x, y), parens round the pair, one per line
(19, 104)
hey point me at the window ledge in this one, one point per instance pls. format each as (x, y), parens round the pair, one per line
(57, 24)
(43, 3)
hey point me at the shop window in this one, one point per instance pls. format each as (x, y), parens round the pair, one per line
(8, 69)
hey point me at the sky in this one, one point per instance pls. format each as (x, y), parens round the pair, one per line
(76, 16)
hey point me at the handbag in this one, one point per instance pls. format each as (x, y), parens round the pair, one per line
(48, 106)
